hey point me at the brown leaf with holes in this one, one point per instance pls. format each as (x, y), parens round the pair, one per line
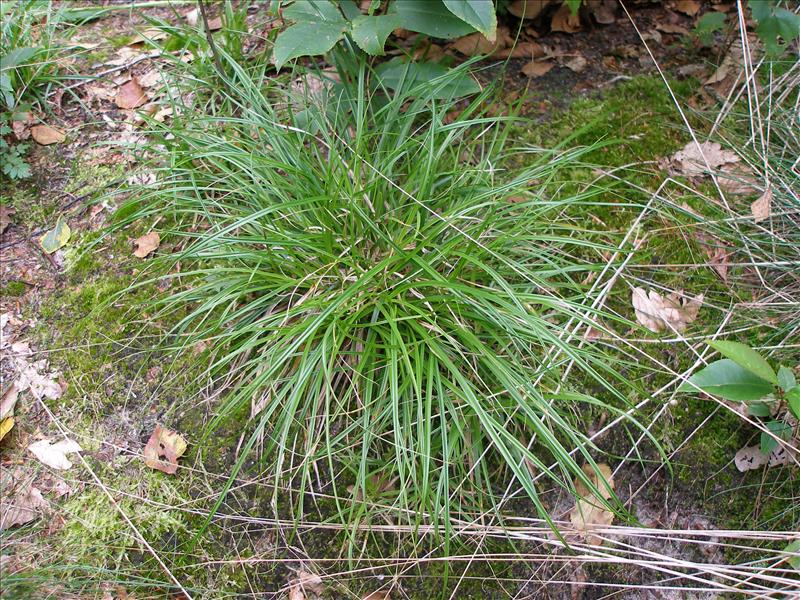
(564, 20)
(537, 68)
(163, 450)
(762, 208)
(671, 314)
(46, 135)
(130, 95)
(146, 244)
(528, 9)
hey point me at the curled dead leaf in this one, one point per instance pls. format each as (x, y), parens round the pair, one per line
(130, 95)
(577, 63)
(665, 314)
(146, 244)
(163, 450)
(697, 159)
(46, 135)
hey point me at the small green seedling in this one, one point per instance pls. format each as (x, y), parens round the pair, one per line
(746, 376)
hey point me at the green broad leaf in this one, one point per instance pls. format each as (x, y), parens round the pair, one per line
(17, 57)
(758, 409)
(573, 5)
(786, 378)
(776, 23)
(793, 399)
(430, 17)
(478, 13)
(370, 33)
(395, 74)
(777, 428)
(727, 379)
(794, 548)
(306, 39)
(57, 237)
(745, 357)
(313, 11)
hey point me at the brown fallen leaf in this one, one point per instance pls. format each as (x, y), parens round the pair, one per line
(46, 135)
(564, 20)
(130, 95)
(21, 126)
(590, 509)
(475, 44)
(23, 507)
(6, 212)
(537, 68)
(163, 450)
(688, 7)
(671, 28)
(379, 595)
(762, 208)
(529, 50)
(215, 24)
(146, 244)
(577, 63)
(665, 314)
(527, 9)
(693, 159)
(603, 11)
(303, 584)
(149, 34)
(9, 399)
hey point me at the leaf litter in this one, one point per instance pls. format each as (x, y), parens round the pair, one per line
(671, 313)
(591, 506)
(163, 450)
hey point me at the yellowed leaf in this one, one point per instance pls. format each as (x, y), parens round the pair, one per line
(5, 426)
(163, 450)
(665, 314)
(46, 135)
(57, 237)
(130, 95)
(537, 68)
(762, 208)
(146, 244)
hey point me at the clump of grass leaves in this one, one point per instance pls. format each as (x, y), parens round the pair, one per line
(402, 332)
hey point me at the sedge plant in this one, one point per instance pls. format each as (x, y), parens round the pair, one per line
(399, 316)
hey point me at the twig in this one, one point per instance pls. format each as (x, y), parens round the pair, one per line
(201, 4)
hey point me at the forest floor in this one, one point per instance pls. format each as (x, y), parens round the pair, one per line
(110, 527)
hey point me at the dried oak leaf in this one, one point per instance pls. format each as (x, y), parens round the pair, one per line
(163, 450)
(590, 510)
(537, 68)
(146, 244)
(664, 314)
(46, 135)
(762, 208)
(130, 95)
(688, 7)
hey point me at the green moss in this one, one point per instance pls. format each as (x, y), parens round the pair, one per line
(13, 289)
